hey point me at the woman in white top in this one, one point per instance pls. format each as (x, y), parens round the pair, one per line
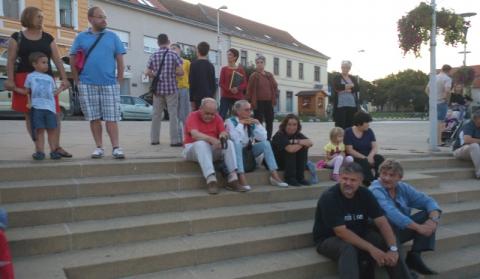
(237, 127)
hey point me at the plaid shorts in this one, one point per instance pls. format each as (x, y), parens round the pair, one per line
(100, 101)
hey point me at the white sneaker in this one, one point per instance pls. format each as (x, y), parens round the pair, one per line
(277, 183)
(117, 153)
(98, 153)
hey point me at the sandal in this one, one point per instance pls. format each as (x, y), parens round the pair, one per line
(63, 153)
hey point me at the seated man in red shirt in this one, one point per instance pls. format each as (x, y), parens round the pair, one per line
(206, 140)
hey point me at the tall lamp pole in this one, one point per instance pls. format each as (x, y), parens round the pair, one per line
(219, 47)
(465, 30)
(433, 82)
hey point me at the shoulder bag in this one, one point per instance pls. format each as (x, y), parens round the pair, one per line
(81, 57)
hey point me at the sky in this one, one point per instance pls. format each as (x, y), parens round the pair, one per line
(362, 31)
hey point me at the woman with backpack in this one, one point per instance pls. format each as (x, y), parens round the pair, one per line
(20, 46)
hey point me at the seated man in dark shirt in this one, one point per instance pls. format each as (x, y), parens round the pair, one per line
(342, 231)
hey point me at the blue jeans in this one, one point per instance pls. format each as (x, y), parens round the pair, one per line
(257, 149)
(442, 109)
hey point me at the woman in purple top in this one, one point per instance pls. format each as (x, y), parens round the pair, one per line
(361, 144)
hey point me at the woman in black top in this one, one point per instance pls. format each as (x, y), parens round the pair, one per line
(20, 46)
(345, 98)
(291, 150)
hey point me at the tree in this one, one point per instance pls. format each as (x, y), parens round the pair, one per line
(402, 90)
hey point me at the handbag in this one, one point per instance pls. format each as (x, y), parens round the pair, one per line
(249, 162)
(81, 57)
(153, 85)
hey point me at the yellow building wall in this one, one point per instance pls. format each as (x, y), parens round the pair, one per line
(63, 36)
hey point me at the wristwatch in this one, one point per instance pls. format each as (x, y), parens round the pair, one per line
(435, 219)
(393, 248)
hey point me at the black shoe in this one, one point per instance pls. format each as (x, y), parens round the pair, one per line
(176, 144)
(155, 143)
(304, 182)
(415, 262)
(292, 182)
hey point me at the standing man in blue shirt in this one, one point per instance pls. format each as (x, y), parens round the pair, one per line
(98, 86)
(397, 199)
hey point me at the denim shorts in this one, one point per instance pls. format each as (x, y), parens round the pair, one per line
(43, 119)
(442, 111)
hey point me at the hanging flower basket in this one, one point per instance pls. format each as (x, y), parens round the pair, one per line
(415, 28)
(464, 75)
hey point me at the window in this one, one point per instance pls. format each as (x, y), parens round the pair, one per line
(212, 57)
(289, 68)
(276, 66)
(300, 70)
(149, 44)
(10, 8)
(243, 58)
(66, 13)
(316, 73)
(124, 37)
(289, 101)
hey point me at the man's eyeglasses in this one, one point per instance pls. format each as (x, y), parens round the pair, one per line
(100, 17)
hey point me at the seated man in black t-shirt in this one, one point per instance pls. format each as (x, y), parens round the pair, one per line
(342, 231)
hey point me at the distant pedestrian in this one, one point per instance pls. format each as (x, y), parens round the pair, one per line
(444, 87)
(262, 94)
(202, 77)
(345, 98)
(20, 46)
(167, 64)
(40, 89)
(233, 81)
(98, 86)
(183, 92)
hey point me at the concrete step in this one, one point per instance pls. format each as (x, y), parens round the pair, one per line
(74, 236)
(253, 208)
(427, 162)
(77, 169)
(74, 188)
(299, 264)
(451, 191)
(289, 265)
(95, 208)
(25, 171)
(461, 263)
(451, 173)
(103, 207)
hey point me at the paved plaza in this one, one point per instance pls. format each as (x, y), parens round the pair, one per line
(394, 137)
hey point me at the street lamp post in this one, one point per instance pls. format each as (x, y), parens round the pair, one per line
(219, 47)
(465, 30)
(433, 83)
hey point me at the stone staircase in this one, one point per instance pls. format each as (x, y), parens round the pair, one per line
(152, 218)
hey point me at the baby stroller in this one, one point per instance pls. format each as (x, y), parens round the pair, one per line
(453, 124)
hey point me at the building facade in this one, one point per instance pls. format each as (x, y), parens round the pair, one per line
(138, 22)
(62, 19)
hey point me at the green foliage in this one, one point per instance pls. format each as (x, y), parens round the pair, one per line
(464, 75)
(402, 90)
(249, 69)
(415, 28)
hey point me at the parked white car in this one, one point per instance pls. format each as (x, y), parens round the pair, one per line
(134, 108)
